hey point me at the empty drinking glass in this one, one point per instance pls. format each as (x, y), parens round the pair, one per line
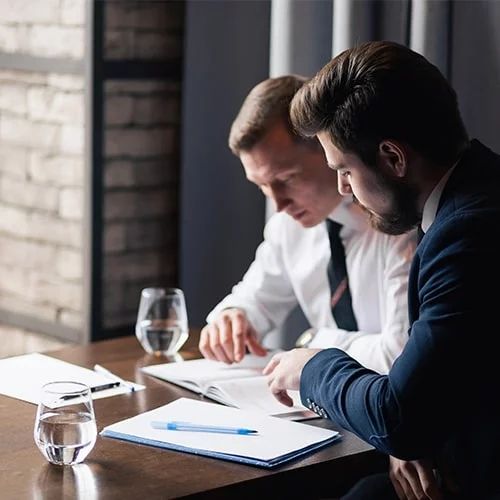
(162, 324)
(65, 428)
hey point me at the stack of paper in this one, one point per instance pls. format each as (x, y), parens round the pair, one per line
(22, 377)
(276, 441)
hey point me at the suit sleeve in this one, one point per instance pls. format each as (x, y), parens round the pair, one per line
(408, 412)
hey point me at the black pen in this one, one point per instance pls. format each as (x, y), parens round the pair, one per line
(103, 387)
(95, 388)
(105, 371)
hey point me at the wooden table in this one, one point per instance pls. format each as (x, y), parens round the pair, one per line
(120, 470)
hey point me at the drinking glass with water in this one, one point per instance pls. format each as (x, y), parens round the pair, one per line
(65, 428)
(162, 324)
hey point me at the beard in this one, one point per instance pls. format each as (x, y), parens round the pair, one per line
(403, 214)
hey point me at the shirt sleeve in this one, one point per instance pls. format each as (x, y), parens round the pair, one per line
(378, 350)
(265, 292)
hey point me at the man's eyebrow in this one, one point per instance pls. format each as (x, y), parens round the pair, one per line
(340, 166)
(274, 175)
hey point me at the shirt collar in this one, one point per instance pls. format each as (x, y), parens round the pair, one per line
(349, 214)
(432, 203)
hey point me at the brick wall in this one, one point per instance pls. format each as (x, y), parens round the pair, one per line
(140, 29)
(142, 119)
(48, 28)
(43, 157)
(141, 158)
(140, 204)
(41, 164)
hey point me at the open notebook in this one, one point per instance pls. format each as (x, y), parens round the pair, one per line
(241, 385)
(276, 441)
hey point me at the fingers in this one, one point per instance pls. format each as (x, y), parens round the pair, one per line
(283, 397)
(204, 343)
(430, 486)
(403, 488)
(225, 339)
(241, 330)
(275, 382)
(399, 490)
(393, 476)
(414, 480)
(273, 363)
(210, 344)
(222, 344)
(254, 346)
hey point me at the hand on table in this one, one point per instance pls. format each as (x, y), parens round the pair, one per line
(413, 479)
(226, 338)
(284, 371)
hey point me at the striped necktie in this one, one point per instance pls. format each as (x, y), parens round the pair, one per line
(339, 285)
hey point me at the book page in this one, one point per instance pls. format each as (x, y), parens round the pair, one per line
(198, 374)
(254, 394)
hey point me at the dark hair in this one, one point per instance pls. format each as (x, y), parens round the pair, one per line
(377, 91)
(266, 104)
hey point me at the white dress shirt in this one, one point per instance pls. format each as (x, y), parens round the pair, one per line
(432, 203)
(290, 268)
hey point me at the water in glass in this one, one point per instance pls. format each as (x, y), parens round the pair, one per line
(162, 325)
(66, 438)
(161, 336)
(65, 429)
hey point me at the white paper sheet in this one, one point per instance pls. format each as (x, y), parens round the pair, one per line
(22, 377)
(277, 440)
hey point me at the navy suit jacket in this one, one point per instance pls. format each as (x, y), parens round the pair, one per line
(441, 398)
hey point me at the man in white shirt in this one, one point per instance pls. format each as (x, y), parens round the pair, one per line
(290, 265)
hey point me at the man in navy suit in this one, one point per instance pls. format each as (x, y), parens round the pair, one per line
(390, 127)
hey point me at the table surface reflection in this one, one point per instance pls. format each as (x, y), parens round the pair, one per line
(120, 470)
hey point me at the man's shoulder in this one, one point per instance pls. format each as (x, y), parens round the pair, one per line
(467, 222)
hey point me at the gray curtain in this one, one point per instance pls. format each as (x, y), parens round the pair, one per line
(460, 37)
(226, 52)
(301, 43)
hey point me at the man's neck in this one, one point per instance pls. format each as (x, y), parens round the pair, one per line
(429, 176)
(431, 202)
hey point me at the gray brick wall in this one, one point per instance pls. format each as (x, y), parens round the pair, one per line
(42, 161)
(141, 148)
(48, 28)
(140, 203)
(41, 185)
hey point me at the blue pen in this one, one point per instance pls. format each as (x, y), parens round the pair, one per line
(188, 426)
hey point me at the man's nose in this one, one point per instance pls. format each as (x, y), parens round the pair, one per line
(343, 185)
(280, 201)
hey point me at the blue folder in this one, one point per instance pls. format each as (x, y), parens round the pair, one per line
(277, 441)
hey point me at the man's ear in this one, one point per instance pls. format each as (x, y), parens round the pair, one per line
(393, 156)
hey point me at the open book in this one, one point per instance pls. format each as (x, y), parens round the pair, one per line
(240, 385)
(275, 441)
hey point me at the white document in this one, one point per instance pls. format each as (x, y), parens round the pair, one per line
(22, 377)
(241, 385)
(276, 441)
